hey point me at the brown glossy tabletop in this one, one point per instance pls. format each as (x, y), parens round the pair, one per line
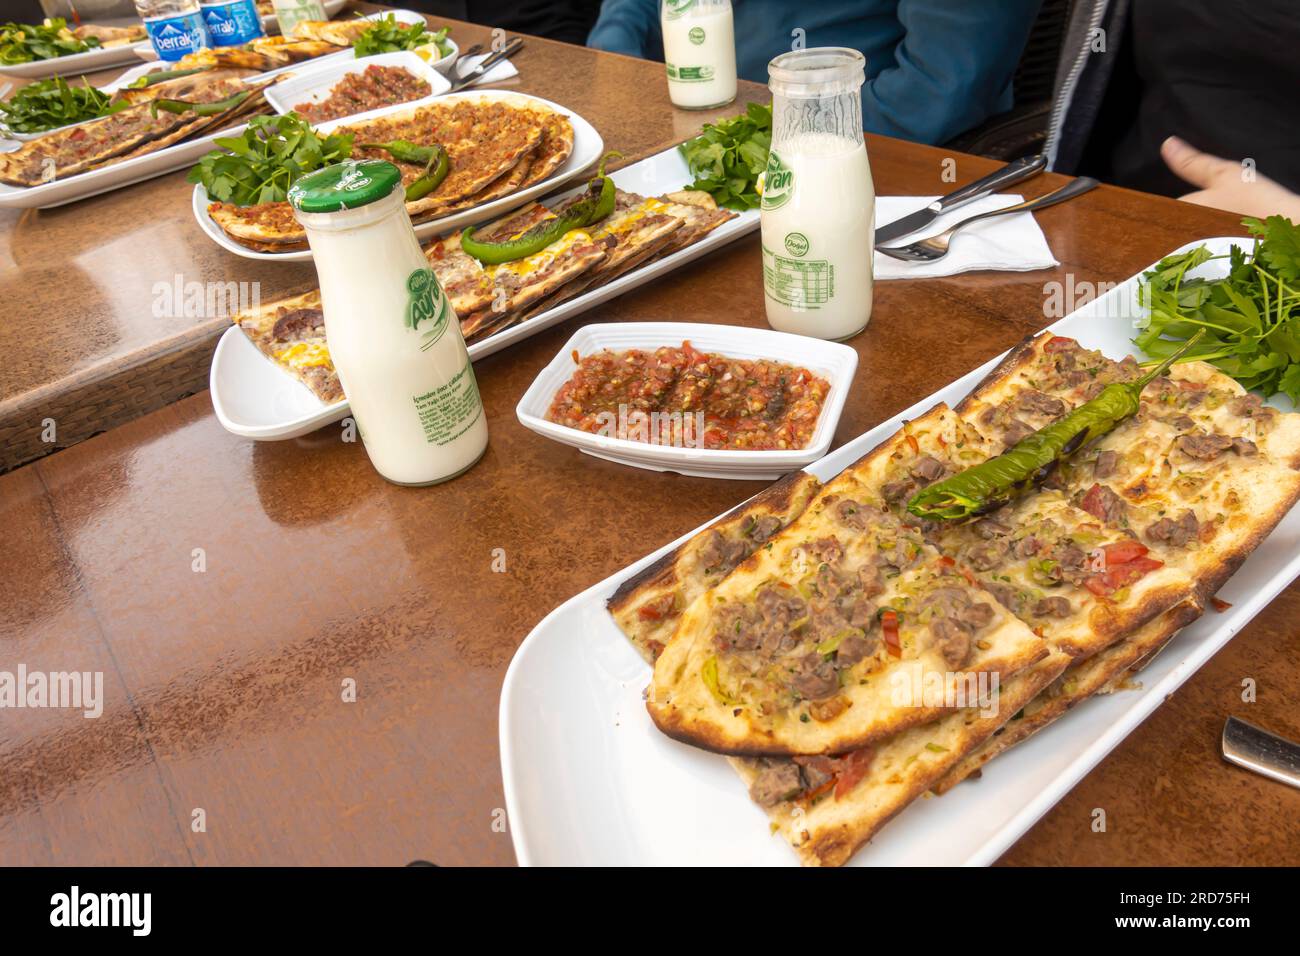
(89, 339)
(224, 684)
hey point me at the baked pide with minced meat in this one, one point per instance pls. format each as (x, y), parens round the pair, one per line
(487, 298)
(1126, 543)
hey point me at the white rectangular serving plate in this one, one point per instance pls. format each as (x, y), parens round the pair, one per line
(92, 60)
(588, 147)
(830, 360)
(107, 178)
(255, 398)
(590, 781)
(314, 85)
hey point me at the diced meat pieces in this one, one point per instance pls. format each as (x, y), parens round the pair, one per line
(928, 469)
(763, 528)
(1244, 447)
(952, 641)
(1016, 432)
(777, 781)
(1175, 532)
(895, 491)
(1107, 462)
(1101, 502)
(986, 555)
(852, 650)
(870, 581)
(826, 550)
(1033, 402)
(721, 554)
(1203, 447)
(1052, 607)
(814, 678)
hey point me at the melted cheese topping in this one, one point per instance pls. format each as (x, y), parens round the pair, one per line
(540, 260)
(304, 355)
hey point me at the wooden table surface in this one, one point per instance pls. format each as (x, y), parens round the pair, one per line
(228, 589)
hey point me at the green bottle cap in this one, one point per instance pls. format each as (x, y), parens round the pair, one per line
(345, 185)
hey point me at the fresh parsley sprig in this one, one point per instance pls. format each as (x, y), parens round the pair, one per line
(53, 103)
(728, 156)
(270, 155)
(389, 35)
(1251, 316)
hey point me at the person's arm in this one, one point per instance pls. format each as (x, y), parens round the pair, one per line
(953, 68)
(627, 26)
(1226, 185)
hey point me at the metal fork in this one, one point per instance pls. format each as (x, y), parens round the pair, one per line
(491, 60)
(936, 247)
(464, 55)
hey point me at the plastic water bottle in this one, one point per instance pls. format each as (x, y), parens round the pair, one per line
(175, 26)
(231, 22)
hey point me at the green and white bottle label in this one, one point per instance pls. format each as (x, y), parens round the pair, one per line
(778, 182)
(676, 8)
(426, 303)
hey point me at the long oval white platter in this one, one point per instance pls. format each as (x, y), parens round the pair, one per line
(107, 178)
(830, 360)
(590, 781)
(587, 150)
(74, 64)
(145, 50)
(314, 84)
(255, 398)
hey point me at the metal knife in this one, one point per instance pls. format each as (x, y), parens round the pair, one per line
(491, 60)
(1256, 749)
(1014, 172)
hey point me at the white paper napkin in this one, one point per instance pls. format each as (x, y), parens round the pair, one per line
(1011, 243)
(501, 71)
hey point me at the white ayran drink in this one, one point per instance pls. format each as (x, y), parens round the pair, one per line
(699, 52)
(392, 334)
(818, 207)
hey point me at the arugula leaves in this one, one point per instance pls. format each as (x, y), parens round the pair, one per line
(1251, 317)
(728, 156)
(266, 159)
(388, 35)
(50, 104)
(24, 42)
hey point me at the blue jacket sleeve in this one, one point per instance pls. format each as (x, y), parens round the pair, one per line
(952, 70)
(627, 26)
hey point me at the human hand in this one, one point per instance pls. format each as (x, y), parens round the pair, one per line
(1226, 184)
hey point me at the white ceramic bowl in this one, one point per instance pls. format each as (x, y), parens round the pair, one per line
(833, 361)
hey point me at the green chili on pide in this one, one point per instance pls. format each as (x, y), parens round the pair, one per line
(596, 203)
(199, 109)
(433, 158)
(162, 76)
(990, 485)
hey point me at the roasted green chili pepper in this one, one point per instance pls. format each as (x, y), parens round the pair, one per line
(199, 109)
(596, 203)
(990, 485)
(434, 159)
(162, 76)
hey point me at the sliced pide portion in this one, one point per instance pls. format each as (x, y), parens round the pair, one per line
(1079, 582)
(291, 333)
(648, 605)
(814, 644)
(827, 808)
(1081, 680)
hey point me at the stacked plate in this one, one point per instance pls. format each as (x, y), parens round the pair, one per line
(834, 362)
